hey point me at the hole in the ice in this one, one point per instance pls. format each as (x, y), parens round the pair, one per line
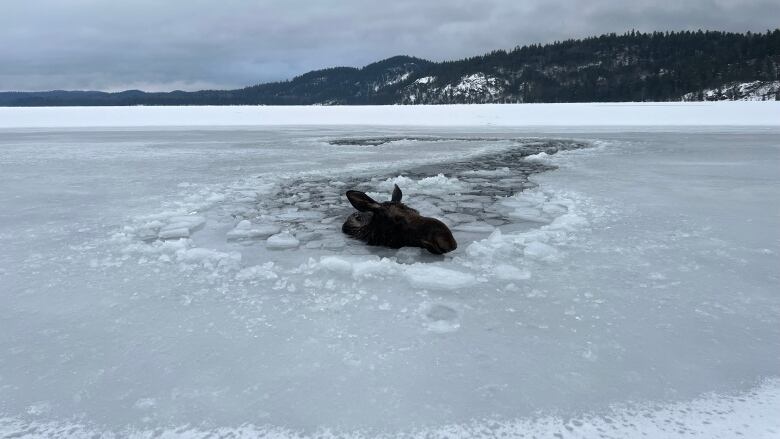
(473, 197)
(381, 140)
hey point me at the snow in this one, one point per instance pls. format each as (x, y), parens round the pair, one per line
(436, 185)
(711, 416)
(578, 114)
(475, 86)
(739, 91)
(392, 80)
(337, 264)
(179, 282)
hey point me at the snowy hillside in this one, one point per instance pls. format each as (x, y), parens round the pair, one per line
(475, 88)
(738, 91)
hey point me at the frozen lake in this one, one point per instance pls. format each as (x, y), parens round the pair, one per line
(185, 282)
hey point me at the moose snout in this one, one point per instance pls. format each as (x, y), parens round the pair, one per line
(441, 244)
(446, 243)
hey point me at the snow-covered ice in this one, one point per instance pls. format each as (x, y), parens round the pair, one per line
(186, 282)
(646, 114)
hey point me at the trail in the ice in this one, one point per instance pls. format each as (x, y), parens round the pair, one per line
(279, 231)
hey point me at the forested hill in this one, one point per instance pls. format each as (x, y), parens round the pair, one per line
(657, 66)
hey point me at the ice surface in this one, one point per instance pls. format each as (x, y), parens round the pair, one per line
(713, 416)
(646, 114)
(606, 284)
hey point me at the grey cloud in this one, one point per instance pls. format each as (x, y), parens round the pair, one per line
(193, 44)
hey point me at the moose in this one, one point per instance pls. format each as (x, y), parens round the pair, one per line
(395, 225)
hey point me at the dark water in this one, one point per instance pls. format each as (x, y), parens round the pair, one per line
(313, 199)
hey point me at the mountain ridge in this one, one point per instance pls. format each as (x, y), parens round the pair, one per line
(634, 66)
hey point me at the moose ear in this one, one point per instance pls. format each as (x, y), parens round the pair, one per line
(361, 201)
(396, 194)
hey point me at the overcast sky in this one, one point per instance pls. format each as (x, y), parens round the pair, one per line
(194, 44)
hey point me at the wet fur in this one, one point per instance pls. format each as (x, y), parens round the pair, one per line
(394, 224)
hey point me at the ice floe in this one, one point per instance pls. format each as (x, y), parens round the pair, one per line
(282, 240)
(245, 230)
(428, 276)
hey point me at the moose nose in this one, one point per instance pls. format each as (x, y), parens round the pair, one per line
(446, 243)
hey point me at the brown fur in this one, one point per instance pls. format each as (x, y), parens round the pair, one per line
(395, 225)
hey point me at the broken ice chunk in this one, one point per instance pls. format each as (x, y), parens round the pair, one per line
(282, 241)
(247, 230)
(308, 236)
(528, 214)
(541, 251)
(179, 232)
(181, 226)
(554, 209)
(437, 278)
(499, 172)
(334, 244)
(301, 215)
(509, 272)
(313, 244)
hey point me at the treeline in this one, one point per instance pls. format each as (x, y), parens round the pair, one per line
(635, 66)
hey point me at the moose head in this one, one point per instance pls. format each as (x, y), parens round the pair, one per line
(395, 225)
